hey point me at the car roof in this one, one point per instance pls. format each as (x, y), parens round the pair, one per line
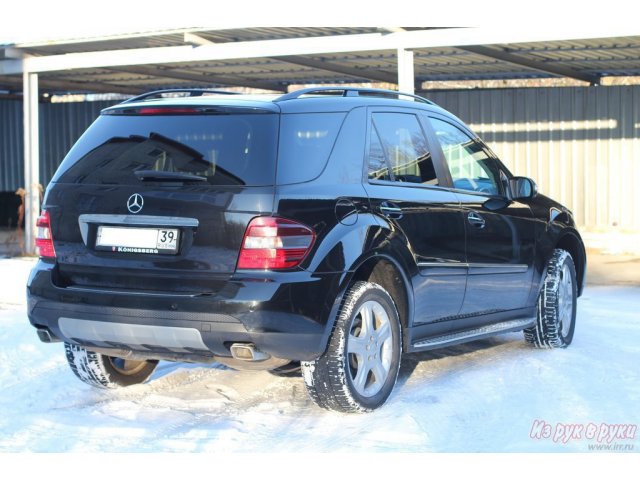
(321, 99)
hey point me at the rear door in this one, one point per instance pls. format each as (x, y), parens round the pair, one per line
(158, 199)
(405, 188)
(500, 233)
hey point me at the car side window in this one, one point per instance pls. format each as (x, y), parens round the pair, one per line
(470, 165)
(398, 150)
(378, 168)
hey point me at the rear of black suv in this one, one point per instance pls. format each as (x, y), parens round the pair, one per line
(159, 239)
(330, 229)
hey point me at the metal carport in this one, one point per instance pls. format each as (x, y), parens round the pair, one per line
(275, 58)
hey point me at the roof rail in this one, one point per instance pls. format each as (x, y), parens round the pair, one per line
(193, 92)
(349, 92)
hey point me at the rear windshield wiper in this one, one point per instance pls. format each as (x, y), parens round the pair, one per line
(159, 176)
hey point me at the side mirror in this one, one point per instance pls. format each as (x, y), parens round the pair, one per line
(522, 187)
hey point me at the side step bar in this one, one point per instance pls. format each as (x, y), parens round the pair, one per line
(473, 334)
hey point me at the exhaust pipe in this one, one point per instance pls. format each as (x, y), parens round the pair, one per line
(245, 356)
(46, 336)
(247, 352)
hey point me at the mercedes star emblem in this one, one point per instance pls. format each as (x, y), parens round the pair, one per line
(135, 203)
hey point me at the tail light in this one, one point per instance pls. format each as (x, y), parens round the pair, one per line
(44, 240)
(166, 110)
(274, 243)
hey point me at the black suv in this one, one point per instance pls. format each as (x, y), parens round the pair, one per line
(333, 228)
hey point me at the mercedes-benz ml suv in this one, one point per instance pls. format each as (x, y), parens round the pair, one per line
(329, 228)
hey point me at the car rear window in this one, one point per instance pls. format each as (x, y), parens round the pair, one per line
(306, 141)
(226, 149)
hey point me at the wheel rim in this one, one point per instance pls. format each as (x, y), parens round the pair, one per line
(370, 349)
(565, 300)
(127, 367)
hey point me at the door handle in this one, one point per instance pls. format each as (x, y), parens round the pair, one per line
(475, 219)
(390, 210)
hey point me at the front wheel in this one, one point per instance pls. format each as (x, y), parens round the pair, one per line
(360, 366)
(102, 371)
(556, 312)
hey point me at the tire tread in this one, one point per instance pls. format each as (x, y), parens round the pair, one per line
(94, 369)
(546, 333)
(326, 377)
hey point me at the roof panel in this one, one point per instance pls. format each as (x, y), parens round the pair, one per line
(603, 56)
(176, 38)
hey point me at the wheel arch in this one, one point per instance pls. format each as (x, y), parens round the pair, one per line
(389, 273)
(572, 243)
(383, 256)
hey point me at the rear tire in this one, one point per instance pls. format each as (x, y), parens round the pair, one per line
(359, 369)
(102, 371)
(556, 312)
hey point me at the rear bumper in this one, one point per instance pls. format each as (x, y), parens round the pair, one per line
(284, 315)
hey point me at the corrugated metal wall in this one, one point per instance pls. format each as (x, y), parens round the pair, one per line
(11, 145)
(581, 145)
(61, 124)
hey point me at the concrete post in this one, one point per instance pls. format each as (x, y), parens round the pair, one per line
(31, 159)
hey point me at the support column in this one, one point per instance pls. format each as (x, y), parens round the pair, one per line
(31, 159)
(406, 77)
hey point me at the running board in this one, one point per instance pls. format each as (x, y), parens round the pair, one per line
(473, 334)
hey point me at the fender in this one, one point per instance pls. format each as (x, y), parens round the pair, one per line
(556, 229)
(374, 242)
(559, 235)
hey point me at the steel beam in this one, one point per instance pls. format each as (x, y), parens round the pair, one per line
(31, 160)
(196, 40)
(202, 78)
(414, 39)
(367, 74)
(508, 57)
(73, 86)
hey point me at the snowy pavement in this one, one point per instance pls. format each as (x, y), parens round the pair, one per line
(490, 395)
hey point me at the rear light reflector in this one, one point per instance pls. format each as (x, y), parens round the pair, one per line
(44, 240)
(272, 243)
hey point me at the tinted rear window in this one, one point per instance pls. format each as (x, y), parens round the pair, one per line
(306, 141)
(230, 149)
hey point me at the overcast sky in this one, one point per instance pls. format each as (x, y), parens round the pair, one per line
(36, 20)
(30, 22)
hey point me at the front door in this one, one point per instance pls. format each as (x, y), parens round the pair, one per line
(500, 233)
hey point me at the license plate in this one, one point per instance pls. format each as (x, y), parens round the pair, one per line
(138, 240)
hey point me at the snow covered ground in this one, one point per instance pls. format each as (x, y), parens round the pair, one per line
(490, 395)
